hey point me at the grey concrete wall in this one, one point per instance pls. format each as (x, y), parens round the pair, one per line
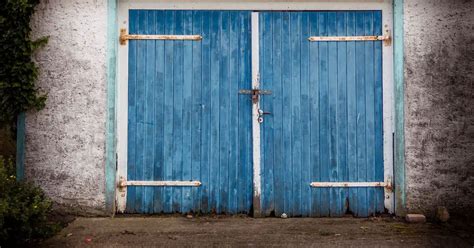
(65, 142)
(439, 77)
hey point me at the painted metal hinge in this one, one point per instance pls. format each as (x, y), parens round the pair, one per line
(123, 183)
(124, 37)
(387, 38)
(387, 185)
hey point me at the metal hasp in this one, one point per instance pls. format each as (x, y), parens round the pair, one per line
(387, 38)
(123, 183)
(124, 37)
(255, 93)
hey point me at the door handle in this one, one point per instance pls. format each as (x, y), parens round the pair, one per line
(262, 113)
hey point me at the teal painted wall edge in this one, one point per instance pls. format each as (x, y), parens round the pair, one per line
(20, 147)
(111, 122)
(399, 91)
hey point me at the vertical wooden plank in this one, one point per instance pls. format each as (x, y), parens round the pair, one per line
(241, 172)
(295, 36)
(341, 112)
(379, 166)
(206, 113)
(159, 97)
(140, 114)
(178, 81)
(132, 126)
(314, 116)
(233, 112)
(334, 200)
(351, 113)
(278, 88)
(188, 125)
(369, 110)
(399, 94)
(266, 71)
(361, 116)
(196, 114)
(324, 113)
(111, 121)
(168, 139)
(245, 126)
(286, 102)
(224, 84)
(248, 117)
(216, 20)
(149, 122)
(305, 116)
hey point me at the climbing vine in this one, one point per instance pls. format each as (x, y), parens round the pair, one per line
(18, 72)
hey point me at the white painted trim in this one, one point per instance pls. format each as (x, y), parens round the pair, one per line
(258, 5)
(388, 103)
(257, 187)
(122, 108)
(164, 183)
(386, 6)
(348, 184)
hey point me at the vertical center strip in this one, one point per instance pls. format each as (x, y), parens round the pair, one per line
(255, 124)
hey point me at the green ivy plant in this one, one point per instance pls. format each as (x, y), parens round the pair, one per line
(24, 210)
(18, 72)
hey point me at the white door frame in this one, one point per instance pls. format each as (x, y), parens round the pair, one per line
(385, 6)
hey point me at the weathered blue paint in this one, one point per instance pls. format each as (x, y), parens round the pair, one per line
(111, 122)
(186, 120)
(399, 93)
(326, 122)
(20, 147)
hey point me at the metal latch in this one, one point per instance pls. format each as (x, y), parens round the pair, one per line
(255, 93)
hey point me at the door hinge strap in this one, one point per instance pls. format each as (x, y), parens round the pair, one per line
(124, 37)
(124, 183)
(386, 185)
(387, 39)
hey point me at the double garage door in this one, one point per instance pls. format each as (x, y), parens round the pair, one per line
(255, 112)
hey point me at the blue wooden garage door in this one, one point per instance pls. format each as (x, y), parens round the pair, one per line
(186, 120)
(326, 105)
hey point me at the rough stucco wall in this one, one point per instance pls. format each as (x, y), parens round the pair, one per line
(439, 77)
(65, 142)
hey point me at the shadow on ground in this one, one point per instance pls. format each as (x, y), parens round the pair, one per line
(244, 231)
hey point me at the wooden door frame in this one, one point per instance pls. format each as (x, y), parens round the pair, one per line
(116, 144)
